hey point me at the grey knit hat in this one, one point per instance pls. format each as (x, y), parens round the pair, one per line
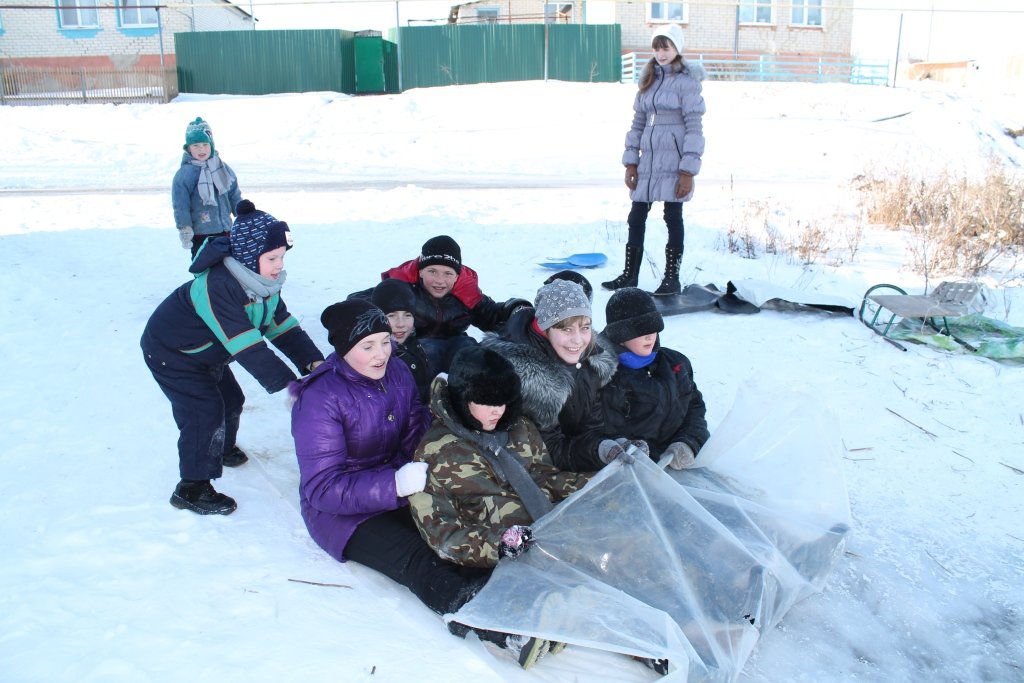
(559, 300)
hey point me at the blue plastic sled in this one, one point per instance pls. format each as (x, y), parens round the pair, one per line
(590, 260)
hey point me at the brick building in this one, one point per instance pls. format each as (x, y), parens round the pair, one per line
(103, 33)
(712, 27)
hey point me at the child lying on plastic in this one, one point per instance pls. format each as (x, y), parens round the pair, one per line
(489, 476)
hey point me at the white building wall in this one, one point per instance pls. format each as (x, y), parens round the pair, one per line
(36, 33)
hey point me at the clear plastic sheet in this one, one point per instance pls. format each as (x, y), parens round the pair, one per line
(692, 566)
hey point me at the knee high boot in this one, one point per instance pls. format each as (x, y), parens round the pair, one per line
(630, 272)
(670, 283)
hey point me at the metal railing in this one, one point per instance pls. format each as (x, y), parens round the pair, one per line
(91, 85)
(773, 68)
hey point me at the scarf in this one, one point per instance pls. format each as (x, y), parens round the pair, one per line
(213, 179)
(635, 362)
(508, 467)
(254, 284)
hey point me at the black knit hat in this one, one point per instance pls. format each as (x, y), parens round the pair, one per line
(631, 313)
(255, 233)
(393, 295)
(441, 251)
(573, 276)
(349, 321)
(483, 376)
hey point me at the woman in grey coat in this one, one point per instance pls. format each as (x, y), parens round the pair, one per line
(663, 153)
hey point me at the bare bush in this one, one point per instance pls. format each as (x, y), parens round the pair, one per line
(957, 225)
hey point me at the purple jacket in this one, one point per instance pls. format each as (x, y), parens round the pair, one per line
(351, 434)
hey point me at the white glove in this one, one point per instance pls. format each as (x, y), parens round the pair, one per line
(186, 234)
(682, 456)
(410, 478)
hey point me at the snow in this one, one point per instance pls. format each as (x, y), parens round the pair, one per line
(105, 581)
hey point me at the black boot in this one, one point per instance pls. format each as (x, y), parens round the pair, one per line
(234, 457)
(630, 272)
(670, 283)
(201, 498)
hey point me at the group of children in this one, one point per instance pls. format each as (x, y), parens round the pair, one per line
(432, 469)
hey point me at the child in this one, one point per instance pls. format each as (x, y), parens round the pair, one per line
(222, 315)
(663, 153)
(562, 371)
(356, 421)
(489, 474)
(204, 191)
(448, 300)
(652, 395)
(396, 299)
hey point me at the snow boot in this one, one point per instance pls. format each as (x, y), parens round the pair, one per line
(201, 498)
(630, 271)
(670, 283)
(525, 649)
(658, 665)
(234, 457)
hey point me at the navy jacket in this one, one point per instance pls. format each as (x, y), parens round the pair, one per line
(211, 321)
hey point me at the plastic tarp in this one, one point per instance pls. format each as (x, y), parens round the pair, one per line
(692, 566)
(985, 336)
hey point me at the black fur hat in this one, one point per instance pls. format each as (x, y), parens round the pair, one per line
(631, 313)
(483, 376)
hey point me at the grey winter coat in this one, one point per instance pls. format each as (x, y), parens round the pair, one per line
(188, 205)
(667, 135)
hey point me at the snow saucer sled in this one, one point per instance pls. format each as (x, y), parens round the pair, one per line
(573, 261)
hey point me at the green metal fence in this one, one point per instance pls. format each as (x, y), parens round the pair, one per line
(491, 53)
(264, 62)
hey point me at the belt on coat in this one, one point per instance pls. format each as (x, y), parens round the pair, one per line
(665, 118)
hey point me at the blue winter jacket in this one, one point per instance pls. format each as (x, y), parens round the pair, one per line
(351, 434)
(189, 209)
(211, 321)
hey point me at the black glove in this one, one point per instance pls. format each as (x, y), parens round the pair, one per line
(515, 541)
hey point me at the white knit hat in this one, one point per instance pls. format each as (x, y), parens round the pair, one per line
(671, 31)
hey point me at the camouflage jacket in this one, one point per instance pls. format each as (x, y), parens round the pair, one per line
(466, 506)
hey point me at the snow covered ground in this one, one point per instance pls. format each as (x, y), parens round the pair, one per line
(104, 581)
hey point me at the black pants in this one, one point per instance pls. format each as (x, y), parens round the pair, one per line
(206, 404)
(390, 544)
(637, 221)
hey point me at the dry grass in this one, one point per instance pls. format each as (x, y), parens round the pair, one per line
(957, 226)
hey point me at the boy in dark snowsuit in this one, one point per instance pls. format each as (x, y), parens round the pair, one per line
(652, 395)
(396, 299)
(224, 314)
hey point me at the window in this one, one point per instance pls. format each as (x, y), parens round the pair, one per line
(132, 14)
(756, 12)
(487, 15)
(668, 11)
(806, 13)
(558, 12)
(77, 13)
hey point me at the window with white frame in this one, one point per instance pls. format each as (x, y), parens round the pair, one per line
(78, 13)
(487, 15)
(558, 12)
(133, 13)
(668, 11)
(806, 13)
(757, 12)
